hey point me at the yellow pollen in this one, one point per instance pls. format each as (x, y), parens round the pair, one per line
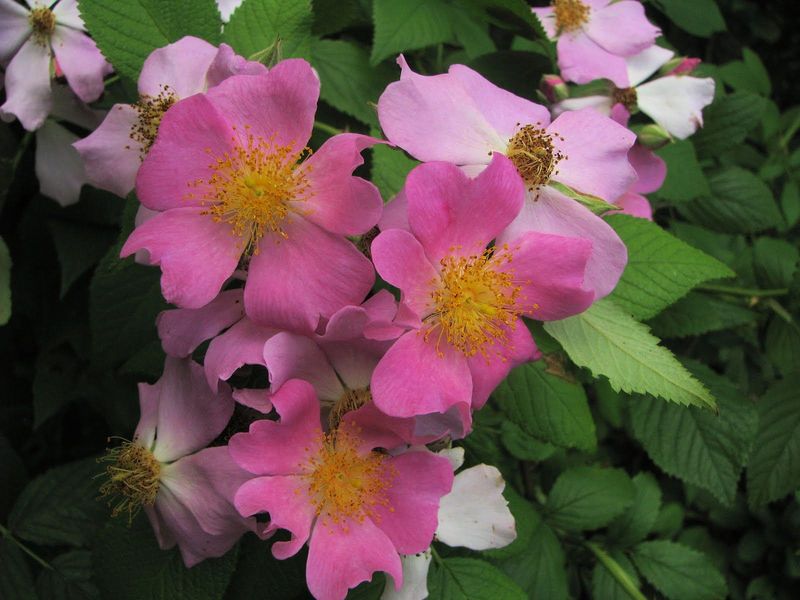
(254, 187)
(625, 96)
(345, 483)
(533, 153)
(570, 14)
(474, 303)
(150, 110)
(349, 401)
(132, 478)
(43, 22)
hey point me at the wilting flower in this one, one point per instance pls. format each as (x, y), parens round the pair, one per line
(114, 152)
(462, 297)
(357, 507)
(594, 36)
(462, 118)
(185, 489)
(228, 175)
(30, 39)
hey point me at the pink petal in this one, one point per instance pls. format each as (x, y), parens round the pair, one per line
(227, 63)
(149, 399)
(182, 330)
(420, 480)
(290, 356)
(342, 556)
(452, 214)
(313, 273)
(635, 205)
(379, 430)
(355, 360)
(281, 447)
(622, 28)
(111, 157)
(596, 153)
(651, 169)
(59, 167)
(196, 254)
(581, 60)
(412, 379)
(395, 213)
(242, 344)
(81, 61)
(14, 28)
(257, 399)
(181, 67)
(286, 501)
(67, 13)
(163, 533)
(27, 85)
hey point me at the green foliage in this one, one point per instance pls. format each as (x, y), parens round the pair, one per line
(727, 122)
(635, 523)
(685, 179)
(588, 497)
(409, 25)
(678, 572)
(696, 314)
(698, 17)
(282, 26)
(16, 582)
(471, 579)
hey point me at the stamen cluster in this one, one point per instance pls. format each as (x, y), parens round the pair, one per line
(133, 478)
(532, 151)
(570, 14)
(150, 110)
(43, 22)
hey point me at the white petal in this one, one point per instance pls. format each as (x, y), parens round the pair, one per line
(676, 102)
(226, 8)
(454, 455)
(14, 28)
(28, 85)
(415, 578)
(475, 514)
(642, 65)
(66, 12)
(58, 165)
(601, 104)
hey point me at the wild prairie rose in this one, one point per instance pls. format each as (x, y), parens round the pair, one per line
(233, 183)
(31, 39)
(462, 118)
(462, 298)
(357, 508)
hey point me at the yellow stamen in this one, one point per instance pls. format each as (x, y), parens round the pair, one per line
(570, 14)
(349, 401)
(625, 96)
(43, 23)
(533, 153)
(150, 110)
(133, 478)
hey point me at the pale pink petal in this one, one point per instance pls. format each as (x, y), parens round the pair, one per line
(14, 28)
(181, 67)
(184, 329)
(290, 356)
(81, 62)
(242, 344)
(395, 213)
(67, 13)
(59, 167)
(601, 104)
(595, 150)
(582, 61)
(257, 399)
(28, 85)
(676, 102)
(621, 28)
(651, 169)
(196, 254)
(312, 273)
(342, 556)
(336, 200)
(149, 399)
(415, 579)
(281, 447)
(420, 480)
(647, 62)
(354, 360)
(413, 379)
(379, 430)
(381, 310)
(111, 157)
(635, 205)
(227, 63)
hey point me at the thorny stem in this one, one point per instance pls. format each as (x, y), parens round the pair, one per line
(616, 571)
(737, 291)
(10, 537)
(327, 128)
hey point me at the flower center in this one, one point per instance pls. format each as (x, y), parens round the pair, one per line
(43, 22)
(625, 96)
(349, 401)
(570, 14)
(133, 478)
(254, 187)
(150, 110)
(533, 153)
(475, 303)
(346, 483)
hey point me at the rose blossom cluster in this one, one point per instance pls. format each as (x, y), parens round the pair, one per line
(278, 257)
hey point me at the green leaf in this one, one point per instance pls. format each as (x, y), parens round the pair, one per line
(741, 203)
(258, 25)
(257, 570)
(526, 521)
(790, 203)
(669, 521)
(782, 345)
(16, 582)
(679, 572)
(695, 445)
(748, 75)
(129, 565)
(13, 475)
(696, 314)
(685, 179)
(5, 283)
(55, 383)
(547, 407)
(523, 446)
(349, 83)
(661, 268)
(774, 467)
(470, 579)
(127, 31)
(609, 342)
(588, 497)
(727, 122)
(634, 524)
(60, 507)
(698, 17)
(604, 584)
(70, 578)
(409, 25)
(390, 166)
(775, 262)
(331, 16)
(79, 246)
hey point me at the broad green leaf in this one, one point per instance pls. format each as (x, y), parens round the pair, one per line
(670, 520)
(698, 446)
(409, 25)
(679, 572)
(774, 467)
(727, 122)
(16, 582)
(257, 570)
(331, 16)
(523, 446)
(470, 579)
(661, 268)
(698, 17)
(588, 497)
(70, 578)
(260, 25)
(634, 524)
(390, 166)
(129, 565)
(782, 345)
(610, 342)
(790, 203)
(13, 475)
(127, 31)
(775, 262)
(547, 407)
(748, 75)
(604, 584)
(696, 314)
(60, 507)
(685, 179)
(79, 246)
(5, 283)
(55, 383)
(740, 203)
(514, 71)
(471, 31)
(349, 83)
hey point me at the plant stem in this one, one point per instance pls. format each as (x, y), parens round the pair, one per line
(10, 537)
(616, 571)
(327, 128)
(737, 291)
(436, 556)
